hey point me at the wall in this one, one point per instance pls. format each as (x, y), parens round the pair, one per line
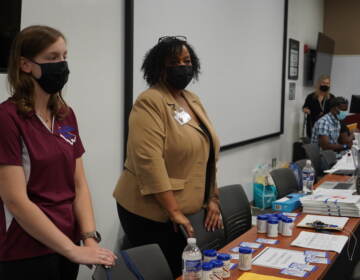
(94, 30)
(341, 23)
(305, 20)
(95, 92)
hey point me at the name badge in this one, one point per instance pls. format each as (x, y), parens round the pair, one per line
(182, 116)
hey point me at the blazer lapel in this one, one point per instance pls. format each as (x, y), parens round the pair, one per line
(198, 110)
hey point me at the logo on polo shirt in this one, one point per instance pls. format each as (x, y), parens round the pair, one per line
(65, 133)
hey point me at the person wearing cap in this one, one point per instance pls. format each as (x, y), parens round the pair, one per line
(328, 131)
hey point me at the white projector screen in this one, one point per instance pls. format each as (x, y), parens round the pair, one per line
(241, 46)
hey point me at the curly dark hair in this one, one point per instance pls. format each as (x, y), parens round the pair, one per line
(154, 61)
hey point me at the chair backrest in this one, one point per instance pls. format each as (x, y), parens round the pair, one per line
(356, 272)
(148, 259)
(235, 211)
(313, 153)
(205, 239)
(301, 163)
(328, 159)
(285, 181)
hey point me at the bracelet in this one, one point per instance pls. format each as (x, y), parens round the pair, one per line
(92, 234)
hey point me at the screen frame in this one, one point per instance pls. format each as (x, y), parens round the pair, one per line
(354, 104)
(17, 4)
(129, 67)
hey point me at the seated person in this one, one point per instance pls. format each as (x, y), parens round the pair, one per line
(346, 136)
(328, 132)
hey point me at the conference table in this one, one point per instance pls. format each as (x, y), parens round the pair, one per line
(339, 268)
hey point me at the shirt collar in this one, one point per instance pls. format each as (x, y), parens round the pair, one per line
(333, 118)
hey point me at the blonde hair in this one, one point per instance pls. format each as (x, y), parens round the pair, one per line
(28, 43)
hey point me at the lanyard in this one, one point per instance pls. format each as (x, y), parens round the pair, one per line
(130, 265)
(108, 274)
(322, 104)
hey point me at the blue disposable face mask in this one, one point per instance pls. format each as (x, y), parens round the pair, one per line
(341, 115)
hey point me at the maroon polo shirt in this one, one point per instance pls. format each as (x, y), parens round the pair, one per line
(48, 159)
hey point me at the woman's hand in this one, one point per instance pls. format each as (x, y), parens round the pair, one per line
(91, 255)
(213, 219)
(90, 242)
(306, 110)
(179, 218)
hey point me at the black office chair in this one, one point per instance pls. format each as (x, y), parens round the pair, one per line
(328, 159)
(205, 239)
(124, 243)
(356, 272)
(301, 163)
(235, 211)
(313, 153)
(285, 181)
(148, 259)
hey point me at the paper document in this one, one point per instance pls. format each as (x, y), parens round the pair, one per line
(320, 241)
(339, 222)
(346, 162)
(256, 276)
(321, 190)
(278, 258)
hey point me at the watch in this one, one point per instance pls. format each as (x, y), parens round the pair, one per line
(92, 234)
(345, 146)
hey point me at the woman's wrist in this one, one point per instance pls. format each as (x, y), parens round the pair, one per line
(90, 242)
(174, 213)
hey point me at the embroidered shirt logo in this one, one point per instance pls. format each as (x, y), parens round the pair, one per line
(65, 133)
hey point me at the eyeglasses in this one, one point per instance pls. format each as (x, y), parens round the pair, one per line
(168, 38)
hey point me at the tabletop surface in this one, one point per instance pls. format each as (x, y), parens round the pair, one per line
(284, 242)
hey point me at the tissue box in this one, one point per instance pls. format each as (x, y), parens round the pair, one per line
(287, 203)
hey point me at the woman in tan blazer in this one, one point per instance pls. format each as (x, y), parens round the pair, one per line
(170, 170)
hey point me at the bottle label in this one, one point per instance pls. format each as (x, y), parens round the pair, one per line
(192, 266)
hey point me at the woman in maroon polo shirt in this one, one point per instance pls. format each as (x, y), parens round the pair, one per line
(45, 204)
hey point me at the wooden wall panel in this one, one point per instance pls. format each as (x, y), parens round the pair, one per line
(342, 23)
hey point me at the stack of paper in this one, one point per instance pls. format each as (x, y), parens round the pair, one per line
(320, 241)
(346, 162)
(333, 204)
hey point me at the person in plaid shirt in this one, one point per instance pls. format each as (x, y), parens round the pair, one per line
(328, 132)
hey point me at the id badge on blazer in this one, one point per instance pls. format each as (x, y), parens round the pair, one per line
(182, 116)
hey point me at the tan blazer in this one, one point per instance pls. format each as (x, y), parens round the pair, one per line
(164, 155)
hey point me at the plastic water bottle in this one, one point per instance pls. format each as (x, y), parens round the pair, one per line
(308, 176)
(191, 261)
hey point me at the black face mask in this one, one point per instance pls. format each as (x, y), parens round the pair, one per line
(53, 76)
(179, 76)
(324, 88)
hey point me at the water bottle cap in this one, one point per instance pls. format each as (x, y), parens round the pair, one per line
(191, 240)
(283, 218)
(223, 257)
(209, 253)
(273, 220)
(262, 217)
(217, 263)
(207, 266)
(277, 215)
(308, 162)
(288, 220)
(245, 250)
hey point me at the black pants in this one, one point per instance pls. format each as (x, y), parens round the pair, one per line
(141, 231)
(48, 267)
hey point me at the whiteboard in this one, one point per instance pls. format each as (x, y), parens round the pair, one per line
(241, 49)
